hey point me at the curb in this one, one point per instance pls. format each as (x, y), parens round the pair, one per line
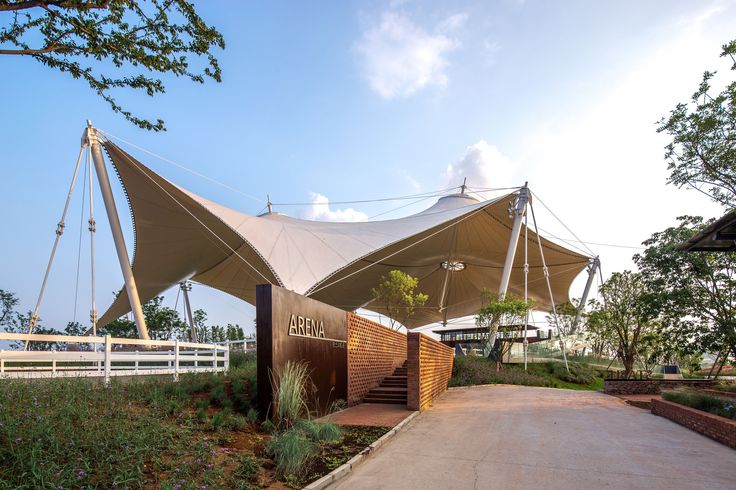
(344, 470)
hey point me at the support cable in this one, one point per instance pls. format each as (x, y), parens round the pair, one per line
(79, 247)
(178, 165)
(231, 249)
(549, 289)
(563, 224)
(525, 343)
(59, 231)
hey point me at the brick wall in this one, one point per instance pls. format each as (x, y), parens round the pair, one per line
(374, 351)
(429, 364)
(650, 386)
(718, 428)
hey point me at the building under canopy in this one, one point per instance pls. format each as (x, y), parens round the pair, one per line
(456, 248)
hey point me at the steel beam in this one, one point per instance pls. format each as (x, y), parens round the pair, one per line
(117, 231)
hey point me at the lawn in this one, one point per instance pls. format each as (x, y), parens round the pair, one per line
(467, 371)
(200, 432)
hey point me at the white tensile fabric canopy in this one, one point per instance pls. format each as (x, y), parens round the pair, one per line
(180, 235)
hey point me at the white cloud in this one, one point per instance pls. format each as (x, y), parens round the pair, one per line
(453, 22)
(484, 166)
(320, 211)
(600, 166)
(399, 58)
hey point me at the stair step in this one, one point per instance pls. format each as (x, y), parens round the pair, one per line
(381, 396)
(391, 396)
(381, 400)
(388, 389)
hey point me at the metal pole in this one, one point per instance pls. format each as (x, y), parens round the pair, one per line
(176, 359)
(92, 230)
(525, 342)
(108, 359)
(117, 231)
(59, 231)
(594, 265)
(518, 211)
(186, 286)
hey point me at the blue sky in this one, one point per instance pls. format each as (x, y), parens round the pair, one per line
(359, 100)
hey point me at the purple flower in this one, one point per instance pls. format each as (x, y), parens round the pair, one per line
(18, 439)
(177, 486)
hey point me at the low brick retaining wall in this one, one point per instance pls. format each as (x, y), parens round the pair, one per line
(374, 351)
(429, 368)
(723, 394)
(717, 428)
(651, 386)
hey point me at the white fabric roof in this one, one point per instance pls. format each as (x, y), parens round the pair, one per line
(180, 235)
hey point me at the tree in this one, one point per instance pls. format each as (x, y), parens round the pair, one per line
(397, 294)
(694, 291)
(8, 302)
(702, 153)
(627, 313)
(88, 39)
(163, 322)
(500, 312)
(599, 333)
(566, 315)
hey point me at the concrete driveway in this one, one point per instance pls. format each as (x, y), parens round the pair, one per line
(508, 437)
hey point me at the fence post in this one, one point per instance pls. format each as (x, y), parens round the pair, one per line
(214, 356)
(227, 358)
(53, 367)
(108, 359)
(2, 362)
(136, 361)
(196, 362)
(176, 359)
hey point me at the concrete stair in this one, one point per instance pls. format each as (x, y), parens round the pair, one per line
(391, 390)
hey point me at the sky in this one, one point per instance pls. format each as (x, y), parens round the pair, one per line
(344, 101)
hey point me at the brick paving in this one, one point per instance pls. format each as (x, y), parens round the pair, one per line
(375, 414)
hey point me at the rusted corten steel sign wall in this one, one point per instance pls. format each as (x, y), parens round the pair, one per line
(347, 355)
(374, 351)
(292, 327)
(429, 368)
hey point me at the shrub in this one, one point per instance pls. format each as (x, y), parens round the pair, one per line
(319, 431)
(219, 397)
(337, 405)
(291, 450)
(252, 416)
(726, 387)
(701, 401)
(468, 371)
(239, 359)
(268, 427)
(579, 373)
(247, 471)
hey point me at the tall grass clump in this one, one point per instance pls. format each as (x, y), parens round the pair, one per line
(701, 401)
(291, 385)
(298, 438)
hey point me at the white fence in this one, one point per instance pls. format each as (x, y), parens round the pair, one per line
(247, 345)
(107, 356)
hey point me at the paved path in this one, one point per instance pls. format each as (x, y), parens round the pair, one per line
(507, 437)
(377, 414)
